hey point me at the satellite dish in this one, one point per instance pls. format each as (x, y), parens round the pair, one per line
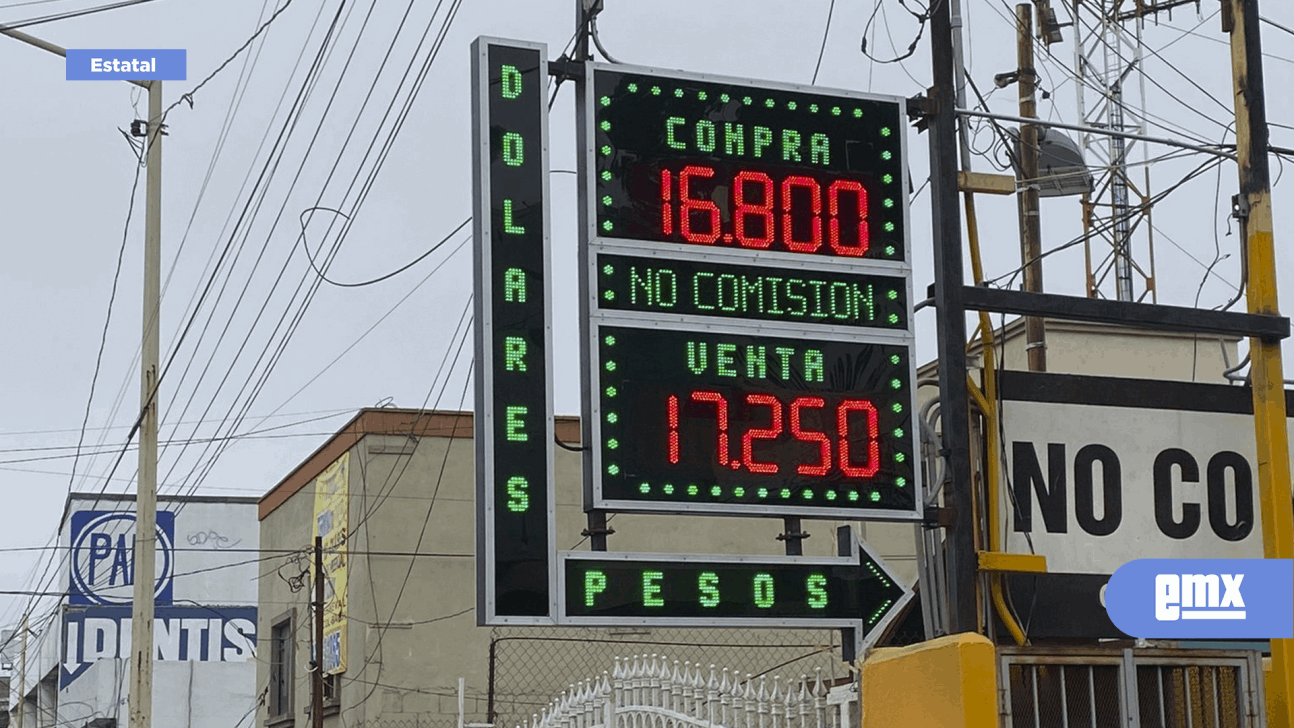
(1061, 170)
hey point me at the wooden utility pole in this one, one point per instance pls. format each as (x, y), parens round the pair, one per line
(1027, 185)
(316, 685)
(1266, 371)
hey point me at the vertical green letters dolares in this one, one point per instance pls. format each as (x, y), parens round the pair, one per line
(513, 368)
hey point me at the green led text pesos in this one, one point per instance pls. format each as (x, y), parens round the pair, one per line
(759, 589)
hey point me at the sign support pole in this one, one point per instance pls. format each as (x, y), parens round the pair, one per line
(951, 317)
(597, 529)
(1266, 371)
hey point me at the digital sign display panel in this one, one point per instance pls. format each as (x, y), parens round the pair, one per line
(514, 419)
(766, 293)
(744, 422)
(726, 590)
(726, 164)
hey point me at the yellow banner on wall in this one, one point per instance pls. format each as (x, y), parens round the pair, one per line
(332, 511)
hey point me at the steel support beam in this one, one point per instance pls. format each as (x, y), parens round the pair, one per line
(1125, 313)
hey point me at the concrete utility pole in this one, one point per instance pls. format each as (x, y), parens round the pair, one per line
(1266, 370)
(141, 644)
(22, 675)
(1027, 185)
(141, 663)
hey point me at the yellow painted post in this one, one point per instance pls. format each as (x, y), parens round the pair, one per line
(949, 682)
(1266, 372)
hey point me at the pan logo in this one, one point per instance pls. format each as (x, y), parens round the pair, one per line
(1202, 598)
(102, 558)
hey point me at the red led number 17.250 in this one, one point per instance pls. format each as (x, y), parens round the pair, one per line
(860, 411)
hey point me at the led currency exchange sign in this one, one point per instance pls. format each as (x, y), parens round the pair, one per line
(852, 591)
(731, 418)
(732, 165)
(514, 417)
(781, 211)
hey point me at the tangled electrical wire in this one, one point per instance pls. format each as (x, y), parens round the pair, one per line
(299, 562)
(921, 17)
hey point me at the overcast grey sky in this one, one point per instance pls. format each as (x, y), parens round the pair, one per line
(66, 184)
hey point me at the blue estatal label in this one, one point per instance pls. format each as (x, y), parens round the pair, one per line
(126, 65)
(1203, 598)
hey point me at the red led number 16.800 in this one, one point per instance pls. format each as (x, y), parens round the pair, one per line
(797, 213)
(845, 458)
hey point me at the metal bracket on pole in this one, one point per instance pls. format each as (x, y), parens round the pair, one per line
(565, 69)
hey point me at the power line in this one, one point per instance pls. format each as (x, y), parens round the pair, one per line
(388, 486)
(1211, 39)
(261, 184)
(1275, 24)
(1107, 225)
(188, 97)
(267, 172)
(300, 311)
(130, 436)
(72, 14)
(823, 48)
(440, 475)
(270, 553)
(401, 116)
(306, 249)
(228, 121)
(370, 329)
(29, 2)
(27, 610)
(103, 339)
(922, 18)
(248, 434)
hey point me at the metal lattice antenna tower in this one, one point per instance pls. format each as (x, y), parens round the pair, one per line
(1118, 238)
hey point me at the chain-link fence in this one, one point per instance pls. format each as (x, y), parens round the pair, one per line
(531, 666)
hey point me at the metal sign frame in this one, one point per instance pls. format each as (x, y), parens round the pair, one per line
(594, 456)
(585, 153)
(485, 423)
(668, 252)
(592, 314)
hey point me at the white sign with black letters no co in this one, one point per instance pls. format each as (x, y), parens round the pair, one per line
(1103, 471)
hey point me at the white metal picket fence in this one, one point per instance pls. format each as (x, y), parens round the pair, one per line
(647, 691)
